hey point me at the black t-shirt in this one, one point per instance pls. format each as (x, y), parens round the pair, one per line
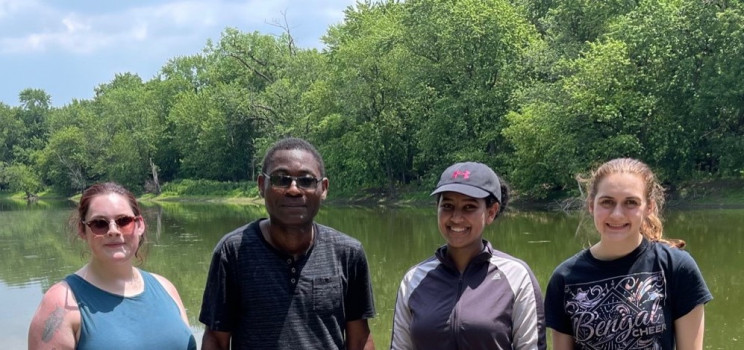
(268, 300)
(627, 303)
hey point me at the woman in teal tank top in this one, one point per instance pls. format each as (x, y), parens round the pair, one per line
(109, 303)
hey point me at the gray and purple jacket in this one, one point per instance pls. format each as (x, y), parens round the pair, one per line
(494, 304)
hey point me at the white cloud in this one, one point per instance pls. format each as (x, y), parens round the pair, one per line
(10, 7)
(72, 24)
(149, 27)
(87, 33)
(69, 47)
(68, 35)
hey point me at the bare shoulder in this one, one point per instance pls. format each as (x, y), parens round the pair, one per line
(165, 283)
(56, 322)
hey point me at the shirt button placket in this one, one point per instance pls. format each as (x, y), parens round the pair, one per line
(292, 273)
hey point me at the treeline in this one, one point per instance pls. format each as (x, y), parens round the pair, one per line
(539, 89)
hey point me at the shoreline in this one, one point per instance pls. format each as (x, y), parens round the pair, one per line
(711, 194)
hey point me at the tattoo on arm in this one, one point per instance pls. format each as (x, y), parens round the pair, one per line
(52, 324)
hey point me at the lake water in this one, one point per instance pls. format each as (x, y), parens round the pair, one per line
(36, 251)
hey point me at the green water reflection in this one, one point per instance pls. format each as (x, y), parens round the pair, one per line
(35, 252)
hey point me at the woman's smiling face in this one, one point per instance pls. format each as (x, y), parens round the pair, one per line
(462, 219)
(619, 208)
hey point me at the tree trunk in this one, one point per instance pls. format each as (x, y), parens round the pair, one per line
(155, 176)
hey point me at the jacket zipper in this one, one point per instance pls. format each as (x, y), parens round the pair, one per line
(456, 313)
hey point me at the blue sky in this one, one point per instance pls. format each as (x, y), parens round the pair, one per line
(69, 47)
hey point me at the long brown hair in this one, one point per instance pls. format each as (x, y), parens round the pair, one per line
(651, 227)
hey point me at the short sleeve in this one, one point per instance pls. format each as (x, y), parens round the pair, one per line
(689, 287)
(555, 313)
(219, 301)
(359, 300)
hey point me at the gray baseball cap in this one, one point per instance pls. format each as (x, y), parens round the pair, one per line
(472, 179)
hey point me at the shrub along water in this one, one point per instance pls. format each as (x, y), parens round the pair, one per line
(188, 187)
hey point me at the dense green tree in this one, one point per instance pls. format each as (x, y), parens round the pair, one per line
(593, 114)
(471, 58)
(211, 140)
(570, 25)
(689, 57)
(22, 178)
(539, 89)
(130, 128)
(11, 128)
(361, 114)
(660, 83)
(30, 122)
(74, 156)
(4, 176)
(215, 124)
(180, 74)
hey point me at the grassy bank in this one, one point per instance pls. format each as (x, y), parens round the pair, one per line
(207, 191)
(20, 196)
(708, 194)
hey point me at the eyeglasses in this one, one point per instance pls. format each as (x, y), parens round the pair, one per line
(285, 181)
(101, 226)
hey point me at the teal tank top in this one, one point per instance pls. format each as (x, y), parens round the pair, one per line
(149, 320)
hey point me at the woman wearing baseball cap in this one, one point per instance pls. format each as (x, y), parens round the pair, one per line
(469, 295)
